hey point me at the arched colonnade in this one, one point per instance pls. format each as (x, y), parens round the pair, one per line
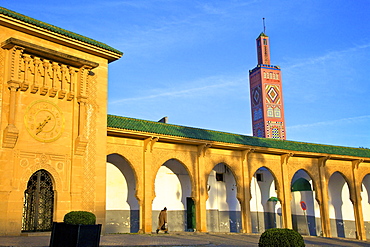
(247, 190)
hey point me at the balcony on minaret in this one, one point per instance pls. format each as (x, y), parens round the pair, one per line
(267, 66)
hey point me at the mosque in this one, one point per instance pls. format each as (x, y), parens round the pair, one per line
(60, 151)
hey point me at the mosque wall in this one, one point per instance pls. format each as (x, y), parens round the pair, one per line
(53, 93)
(224, 184)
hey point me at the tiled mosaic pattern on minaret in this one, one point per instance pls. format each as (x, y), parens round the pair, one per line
(266, 94)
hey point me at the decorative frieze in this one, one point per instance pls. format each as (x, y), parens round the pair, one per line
(41, 71)
(57, 164)
(46, 77)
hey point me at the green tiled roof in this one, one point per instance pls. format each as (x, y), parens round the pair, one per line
(55, 29)
(217, 136)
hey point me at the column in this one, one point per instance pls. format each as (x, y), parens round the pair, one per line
(82, 92)
(324, 198)
(285, 194)
(356, 201)
(14, 57)
(11, 132)
(201, 190)
(246, 210)
(147, 186)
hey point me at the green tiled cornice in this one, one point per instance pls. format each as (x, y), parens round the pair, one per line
(217, 136)
(55, 29)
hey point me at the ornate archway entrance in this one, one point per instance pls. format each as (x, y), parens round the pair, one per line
(38, 203)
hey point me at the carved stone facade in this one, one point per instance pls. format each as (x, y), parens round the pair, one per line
(51, 81)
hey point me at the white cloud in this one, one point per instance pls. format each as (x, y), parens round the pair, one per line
(331, 122)
(332, 56)
(209, 88)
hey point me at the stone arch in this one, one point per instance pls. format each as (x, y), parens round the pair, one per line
(129, 163)
(303, 190)
(38, 202)
(265, 205)
(122, 206)
(347, 176)
(55, 176)
(234, 168)
(277, 182)
(365, 195)
(223, 206)
(341, 211)
(314, 180)
(172, 189)
(187, 161)
(191, 177)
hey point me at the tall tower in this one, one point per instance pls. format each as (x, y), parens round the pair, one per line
(266, 94)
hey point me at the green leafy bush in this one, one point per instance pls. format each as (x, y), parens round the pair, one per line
(79, 218)
(278, 237)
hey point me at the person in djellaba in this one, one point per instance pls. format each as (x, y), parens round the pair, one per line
(162, 221)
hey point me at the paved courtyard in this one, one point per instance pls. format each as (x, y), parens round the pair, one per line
(177, 239)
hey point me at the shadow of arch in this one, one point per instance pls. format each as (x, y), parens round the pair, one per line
(365, 195)
(183, 175)
(222, 205)
(264, 207)
(173, 189)
(340, 207)
(122, 207)
(304, 221)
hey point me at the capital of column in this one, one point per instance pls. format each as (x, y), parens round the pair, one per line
(246, 152)
(203, 148)
(13, 85)
(322, 160)
(82, 99)
(285, 158)
(152, 140)
(356, 163)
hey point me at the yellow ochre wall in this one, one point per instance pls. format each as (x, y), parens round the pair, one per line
(76, 158)
(147, 152)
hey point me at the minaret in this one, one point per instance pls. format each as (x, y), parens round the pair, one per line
(266, 94)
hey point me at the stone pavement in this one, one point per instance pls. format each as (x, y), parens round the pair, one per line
(177, 239)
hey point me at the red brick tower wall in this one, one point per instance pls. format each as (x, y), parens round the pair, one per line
(266, 93)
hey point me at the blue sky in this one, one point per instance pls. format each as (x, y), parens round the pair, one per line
(189, 60)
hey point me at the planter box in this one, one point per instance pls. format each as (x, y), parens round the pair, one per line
(66, 235)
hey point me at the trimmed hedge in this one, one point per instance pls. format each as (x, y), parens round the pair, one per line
(280, 237)
(79, 218)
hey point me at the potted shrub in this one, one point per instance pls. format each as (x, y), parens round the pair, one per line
(276, 237)
(78, 230)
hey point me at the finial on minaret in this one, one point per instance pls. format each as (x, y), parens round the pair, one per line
(264, 27)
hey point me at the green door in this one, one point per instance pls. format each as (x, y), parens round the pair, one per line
(190, 213)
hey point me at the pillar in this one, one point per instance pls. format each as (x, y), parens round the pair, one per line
(285, 193)
(356, 201)
(246, 190)
(324, 198)
(201, 190)
(147, 184)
